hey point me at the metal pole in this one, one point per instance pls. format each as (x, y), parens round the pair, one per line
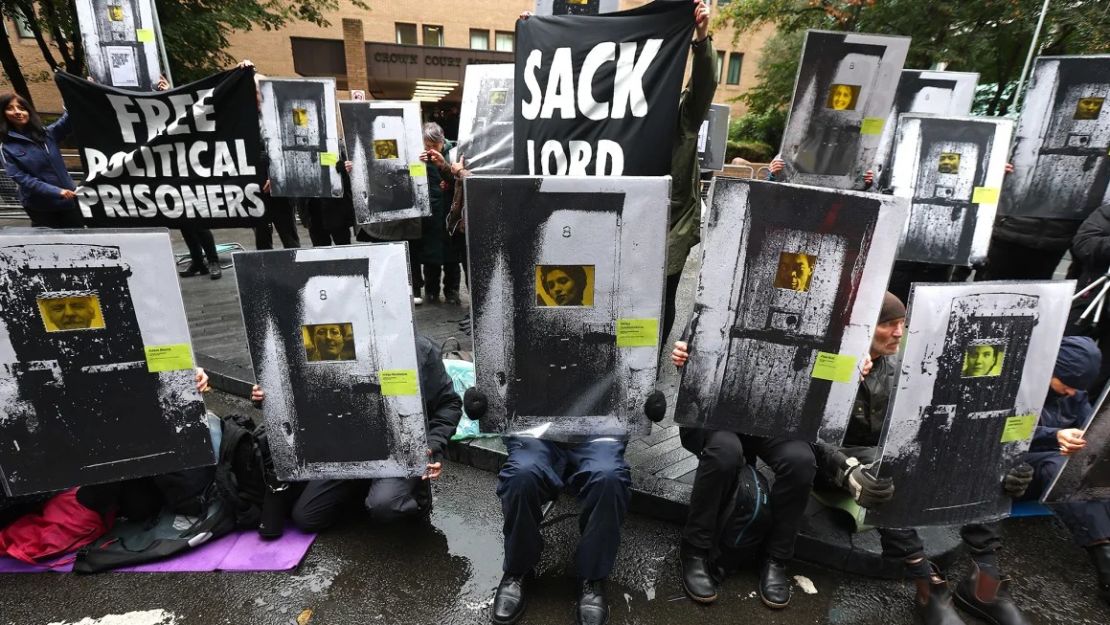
(1029, 57)
(162, 45)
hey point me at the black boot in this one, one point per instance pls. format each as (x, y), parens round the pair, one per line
(933, 604)
(194, 269)
(775, 584)
(215, 271)
(508, 601)
(593, 609)
(697, 576)
(1100, 557)
(986, 596)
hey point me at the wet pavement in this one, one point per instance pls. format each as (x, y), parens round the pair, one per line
(444, 570)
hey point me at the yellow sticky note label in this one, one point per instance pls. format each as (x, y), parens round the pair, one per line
(834, 367)
(417, 170)
(872, 126)
(398, 382)
(144, 35)
(329, 159)
(1019, 428)
(985, 195)
(168, 357)
(637, 332)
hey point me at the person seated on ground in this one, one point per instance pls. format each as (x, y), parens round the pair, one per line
(984, 594)
(720, 458)
(394, 498)
(1059, 434)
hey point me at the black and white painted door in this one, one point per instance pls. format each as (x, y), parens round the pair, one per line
(388, 179)
(301, 134)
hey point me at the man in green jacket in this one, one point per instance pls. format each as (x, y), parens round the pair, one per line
(685, 179)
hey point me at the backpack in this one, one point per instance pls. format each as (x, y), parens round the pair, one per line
(745, 521)
(231, 500)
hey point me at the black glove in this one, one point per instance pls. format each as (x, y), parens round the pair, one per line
(655, 406)
(475, 403)
(1017, 480)
(866, 489)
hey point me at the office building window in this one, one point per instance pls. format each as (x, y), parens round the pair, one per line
(735, 60)
(479, 39)
(433, 36)
(406, 33)
(720, 64)
(504, 41)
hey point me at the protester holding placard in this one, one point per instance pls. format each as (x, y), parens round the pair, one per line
(438, 253)
(985, 593)
(1059, 435)
(32, 159)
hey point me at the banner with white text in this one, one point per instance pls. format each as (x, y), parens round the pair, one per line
(598, 95)
(187, 157)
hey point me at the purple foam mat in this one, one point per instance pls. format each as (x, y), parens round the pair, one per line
(238, 551)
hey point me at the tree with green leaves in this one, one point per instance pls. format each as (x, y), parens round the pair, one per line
(991, 37)
(195, 32)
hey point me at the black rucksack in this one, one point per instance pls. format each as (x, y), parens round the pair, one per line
(241, 473)
(745, 521)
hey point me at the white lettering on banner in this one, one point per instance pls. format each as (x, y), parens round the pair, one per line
(211, 201)
(561, 88)
(191, 111)
(172, 160)
(609, 159)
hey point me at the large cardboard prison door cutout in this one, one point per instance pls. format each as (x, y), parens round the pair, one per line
(576, 7)
(791, 283)
(301, 136)
(331, 338)
(567, 277)
(388, 179)
(973, 378)
(952, 168)
(120, 41)
(945, 94)
(97, 381)
(1085, 475)
(1061, 154)
(842, 96)
(713, 138)
(486, 119)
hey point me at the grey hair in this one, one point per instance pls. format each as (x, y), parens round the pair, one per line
(433, 133)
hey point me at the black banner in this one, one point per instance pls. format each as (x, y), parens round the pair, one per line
(598, 95)
(189, 156)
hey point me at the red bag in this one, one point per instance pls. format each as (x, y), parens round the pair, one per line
(64, 525)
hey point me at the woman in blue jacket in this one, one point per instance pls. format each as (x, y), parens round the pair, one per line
(32, 159)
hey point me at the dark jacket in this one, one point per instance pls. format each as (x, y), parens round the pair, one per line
(1091, 245)
(1037, 233)
(1077, 365)
(685, 180)
(38, 168)
(865, 426)
(436, 245)
(442, 404)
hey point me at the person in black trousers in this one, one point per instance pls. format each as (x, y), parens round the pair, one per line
(721, 455)
(201, 245)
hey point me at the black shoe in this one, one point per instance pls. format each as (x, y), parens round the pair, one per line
(988, 598)
(431, 298)
(775, 584)
(593, 609)
(508, 601)
(933, 605)
(697, 577)
(214, 271)
(1100, 557)
(193, 269)
(452, 297)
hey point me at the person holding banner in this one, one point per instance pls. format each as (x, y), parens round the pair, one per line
(1058, 435)
(984, 593)
(32, 159)
(685, 181)
(721, 455)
